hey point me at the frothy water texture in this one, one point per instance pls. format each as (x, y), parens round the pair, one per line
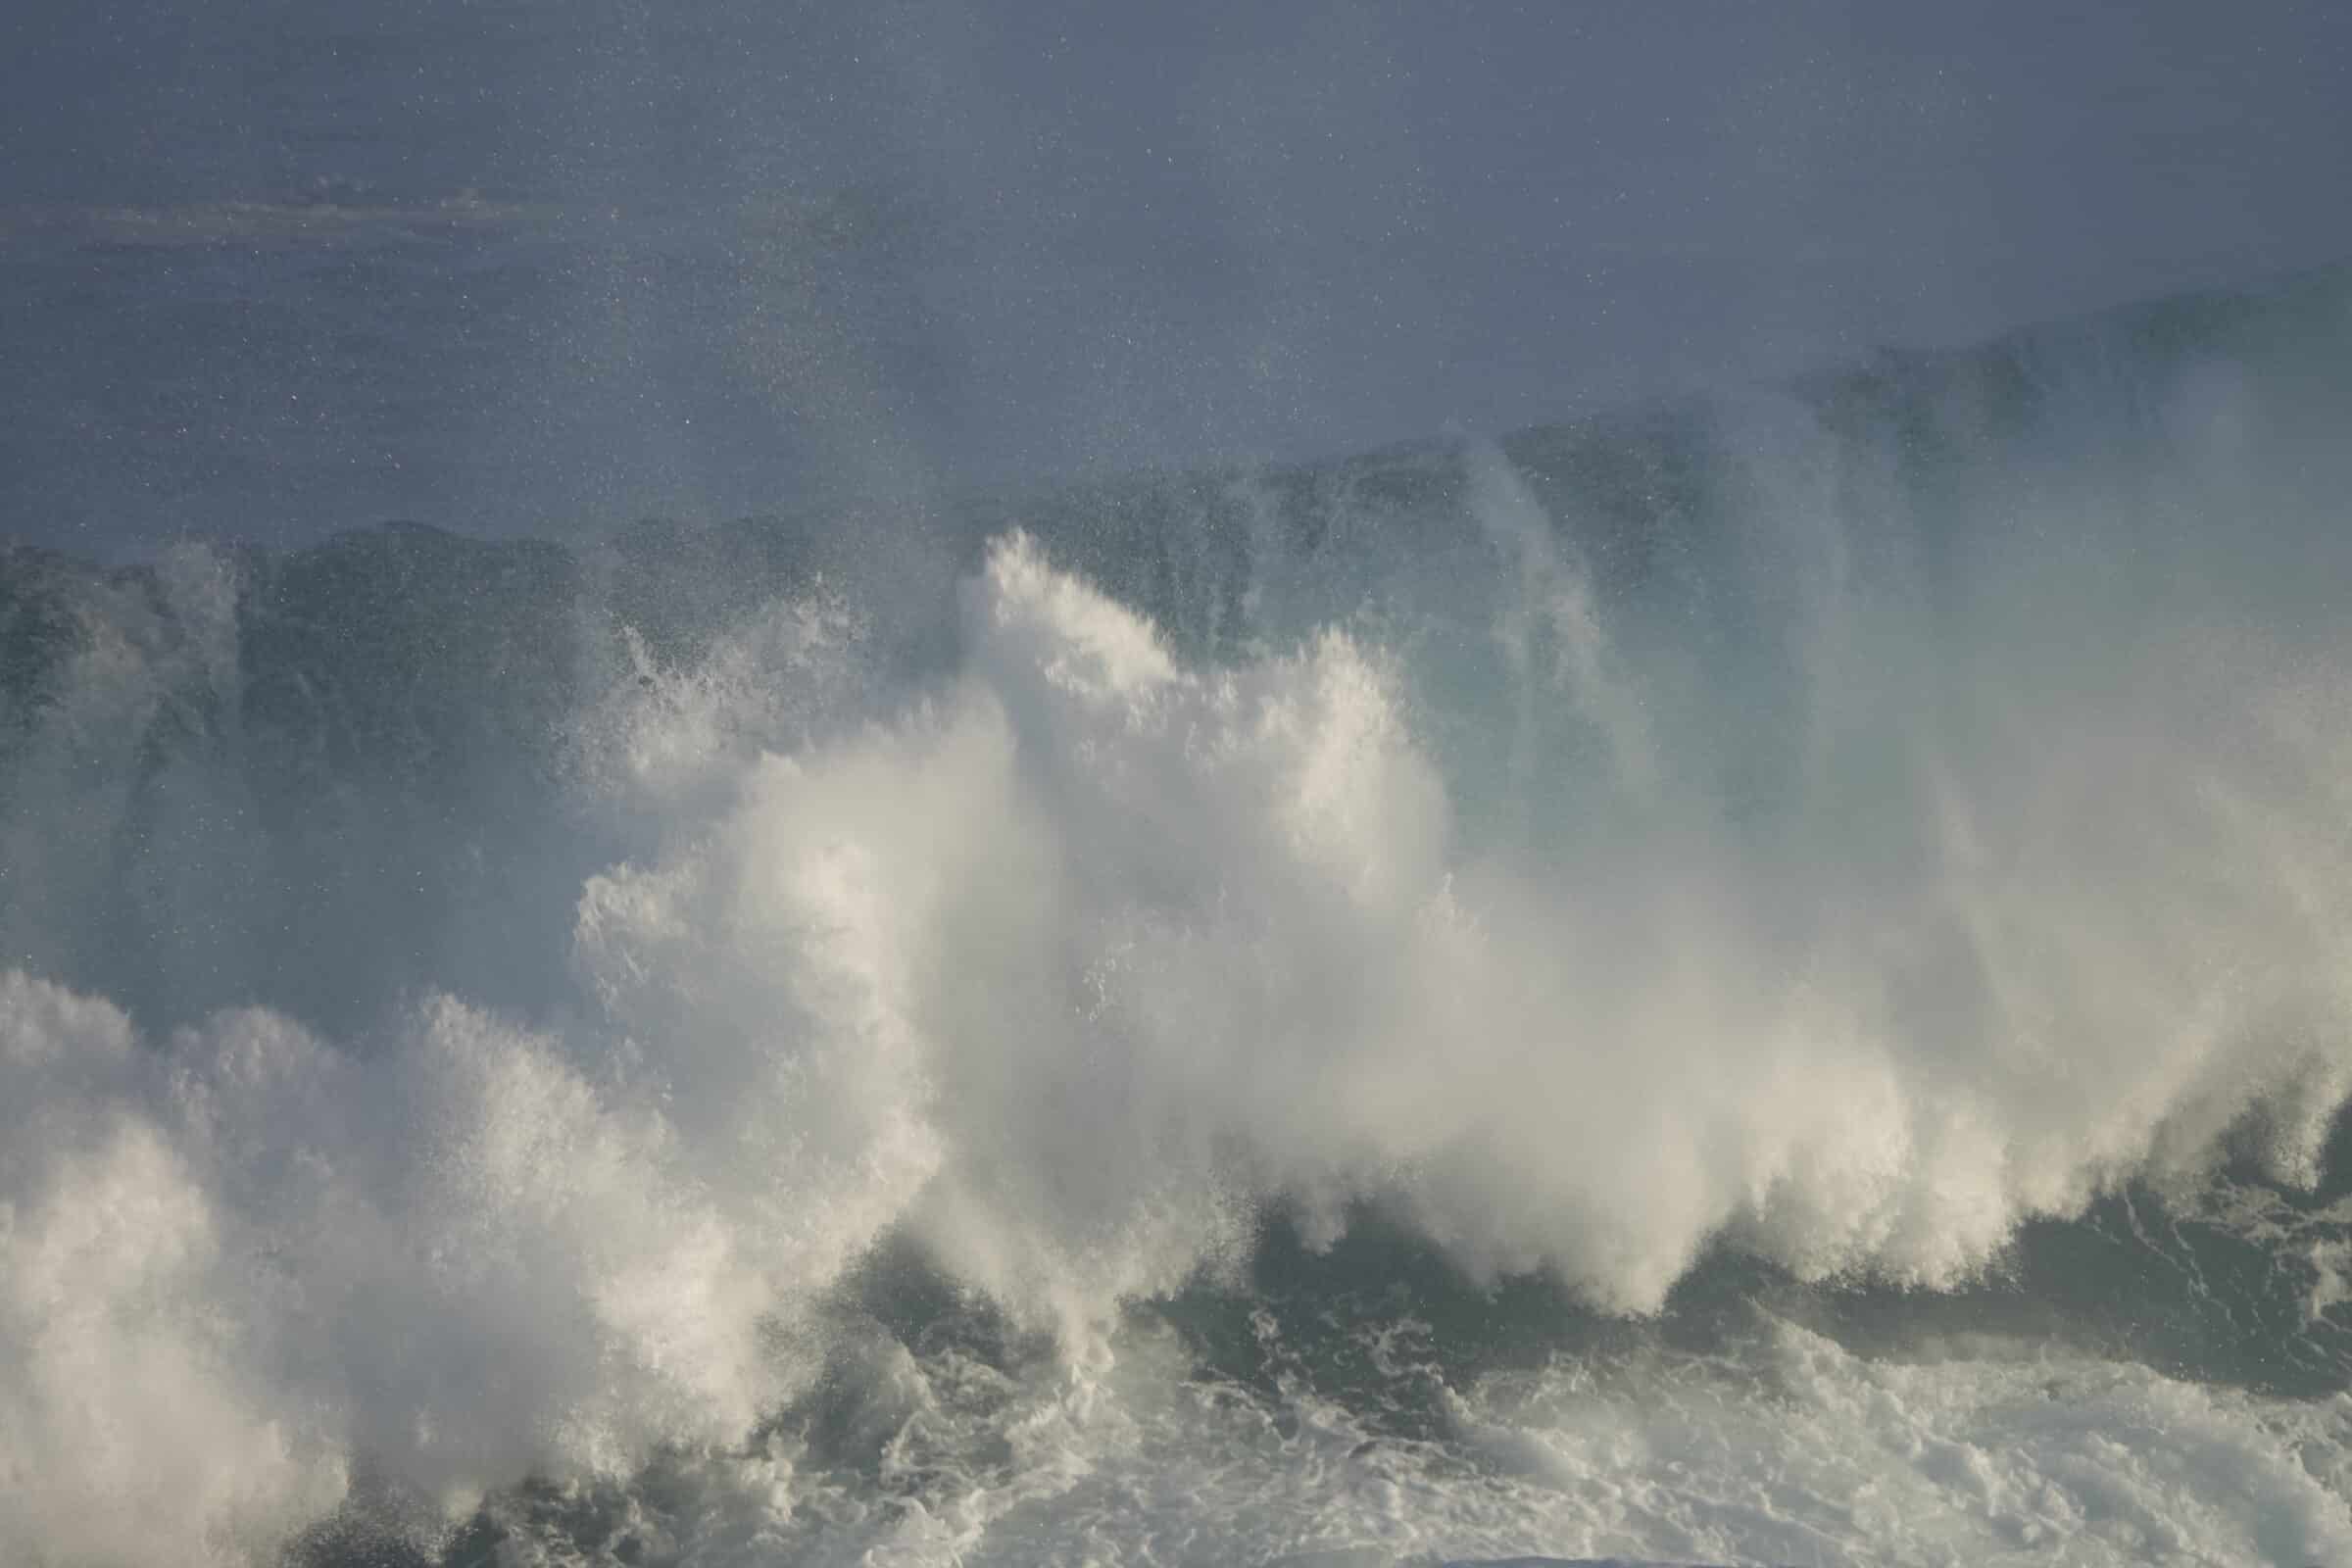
(1761, 983)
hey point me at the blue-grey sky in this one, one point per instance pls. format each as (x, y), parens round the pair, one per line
(279, 266)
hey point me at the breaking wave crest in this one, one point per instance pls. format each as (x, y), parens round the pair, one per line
(515, 1059)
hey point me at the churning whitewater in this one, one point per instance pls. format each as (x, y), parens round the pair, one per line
(1761, 983)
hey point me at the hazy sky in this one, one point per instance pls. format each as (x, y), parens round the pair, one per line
(719, 254)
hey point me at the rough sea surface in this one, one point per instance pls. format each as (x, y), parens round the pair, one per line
(1766, 980)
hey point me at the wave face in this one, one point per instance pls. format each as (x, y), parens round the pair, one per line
(1768, 981)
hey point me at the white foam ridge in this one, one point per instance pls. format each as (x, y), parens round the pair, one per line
(1070, 963)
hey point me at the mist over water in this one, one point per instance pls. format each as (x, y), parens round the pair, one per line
(1765, 981)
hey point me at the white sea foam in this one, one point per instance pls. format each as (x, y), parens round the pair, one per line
(1788, 1452)
(1901, 862)
(1067, 962)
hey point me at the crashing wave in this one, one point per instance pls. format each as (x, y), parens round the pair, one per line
(481, 1010)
